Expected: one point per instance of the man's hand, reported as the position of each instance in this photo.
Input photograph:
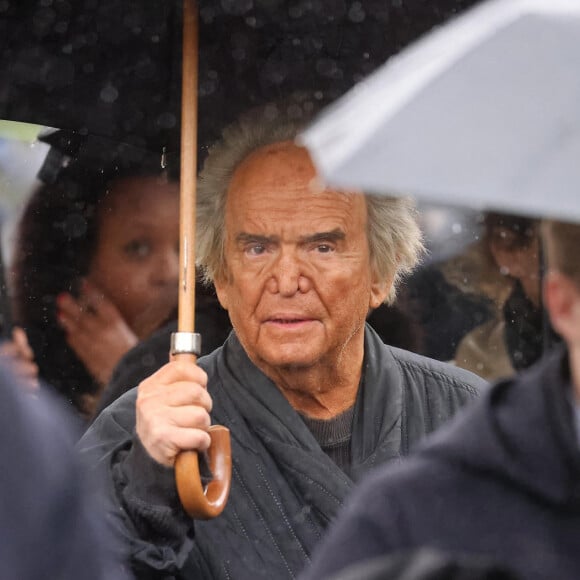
(173, 408)
(95, 330)
(19, 354)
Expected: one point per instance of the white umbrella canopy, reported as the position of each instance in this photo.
(483, 112)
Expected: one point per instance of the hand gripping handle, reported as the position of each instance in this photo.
(199, 501)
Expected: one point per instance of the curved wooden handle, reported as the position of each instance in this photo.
(199, 502)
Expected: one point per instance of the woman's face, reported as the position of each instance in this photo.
(136, 258)
(518, 256)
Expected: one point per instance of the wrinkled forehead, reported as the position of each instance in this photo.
(280, 180)
(275, 164)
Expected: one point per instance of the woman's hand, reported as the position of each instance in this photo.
(19, 355)
(95, 330)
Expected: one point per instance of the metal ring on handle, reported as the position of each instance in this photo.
(185, 343)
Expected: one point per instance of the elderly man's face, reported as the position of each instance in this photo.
(298, 284)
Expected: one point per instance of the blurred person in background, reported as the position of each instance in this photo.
(96, 266)
(50, 523)
(513, 338)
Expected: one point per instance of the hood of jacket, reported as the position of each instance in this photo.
(522, 432)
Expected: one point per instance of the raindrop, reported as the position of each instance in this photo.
(294, 112)
(296, 42)
(166, 120)
(155, 39)
(271, 112)
(88, 67)
(75, 226)
(109, 94)
(239, 54)
(92, 38)
(4, 5)
(237, 7)
(319, 95)
(146, 70)
(61, 27)
(67, 49)
(46, 3)
(356, 12)
(251, 21)
(43, 20)
(207, 87)
(327, 67)
(275, 72)
(456, 228)
(295, 11)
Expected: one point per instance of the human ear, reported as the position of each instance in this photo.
(379, 292)
(221, 290)
(562, 300)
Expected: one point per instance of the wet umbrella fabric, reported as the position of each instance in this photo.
(482, 112)
(113, 67)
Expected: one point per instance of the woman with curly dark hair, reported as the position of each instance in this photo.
(96, 267)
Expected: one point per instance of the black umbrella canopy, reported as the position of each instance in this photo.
(113, 67)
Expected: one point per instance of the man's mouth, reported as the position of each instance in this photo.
(288, 321)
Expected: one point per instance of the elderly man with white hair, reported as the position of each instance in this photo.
(312, 396)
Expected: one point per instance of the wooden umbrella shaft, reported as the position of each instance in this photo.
(188, 192)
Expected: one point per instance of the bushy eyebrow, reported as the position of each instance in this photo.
(245, 238)
(335, 235)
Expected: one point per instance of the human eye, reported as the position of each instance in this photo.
(325, 248)
(137, 249)
(255, 249)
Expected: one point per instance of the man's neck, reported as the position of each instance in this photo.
(321, 391)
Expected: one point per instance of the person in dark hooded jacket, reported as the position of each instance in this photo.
(503, 479)
(50, 526)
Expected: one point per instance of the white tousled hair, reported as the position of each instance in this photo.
(394, 237)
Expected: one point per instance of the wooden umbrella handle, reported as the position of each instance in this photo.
(198, 501)
(203, 502)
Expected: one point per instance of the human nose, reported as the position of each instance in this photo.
(167, 268)
(288, 274)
